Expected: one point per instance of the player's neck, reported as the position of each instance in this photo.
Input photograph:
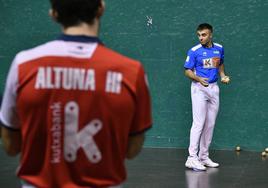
(209, 44)
(83, 29)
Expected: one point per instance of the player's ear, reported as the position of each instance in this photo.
(211, 35)
(101, 9)
(53, 14)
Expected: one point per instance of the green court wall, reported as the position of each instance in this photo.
(159, 34)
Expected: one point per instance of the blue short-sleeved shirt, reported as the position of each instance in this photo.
(205, 61)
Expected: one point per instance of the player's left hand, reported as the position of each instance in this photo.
(225, 79)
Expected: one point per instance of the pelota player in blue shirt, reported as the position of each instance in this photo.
(203, 64)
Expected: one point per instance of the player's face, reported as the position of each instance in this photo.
(205, 37)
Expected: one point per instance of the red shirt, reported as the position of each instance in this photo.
(76, 103)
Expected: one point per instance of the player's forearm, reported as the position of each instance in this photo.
(135, 144)
(11, 141)
(190, 74)
(222, 71)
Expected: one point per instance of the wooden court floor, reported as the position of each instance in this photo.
(164, 168)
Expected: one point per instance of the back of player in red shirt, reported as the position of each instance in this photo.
(76, 104)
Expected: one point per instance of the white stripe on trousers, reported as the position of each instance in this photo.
(205, 106)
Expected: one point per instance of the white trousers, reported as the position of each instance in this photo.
(205, 106)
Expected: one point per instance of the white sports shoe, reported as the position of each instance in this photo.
(195, 164)
(209, 163)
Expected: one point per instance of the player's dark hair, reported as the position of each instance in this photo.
(74, 12)
(205, 26)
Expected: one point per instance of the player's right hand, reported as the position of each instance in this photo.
(225, 79)
(203, 81)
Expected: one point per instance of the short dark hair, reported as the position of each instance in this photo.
(74, 12)
(205, 26)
